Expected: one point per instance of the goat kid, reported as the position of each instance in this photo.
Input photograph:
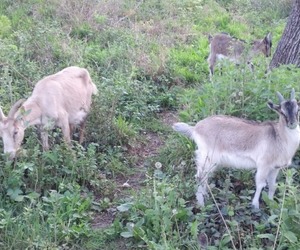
(62, 99)
(223, 46)
(233, 142)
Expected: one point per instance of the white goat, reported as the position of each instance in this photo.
(223, 45)
(62, 99)
(233, 142)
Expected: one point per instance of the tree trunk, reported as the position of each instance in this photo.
(288, 49)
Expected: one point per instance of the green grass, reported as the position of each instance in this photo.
(146, 58)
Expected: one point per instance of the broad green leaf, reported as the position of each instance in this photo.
(33, 195)
(127, 234)
(18, 198)
(14, 194)
(124, 207)
(290, 236)
(266, 236)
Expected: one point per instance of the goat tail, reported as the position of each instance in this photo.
(183, 128)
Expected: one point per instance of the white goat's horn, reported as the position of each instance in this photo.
(15, 108)
(2, 116)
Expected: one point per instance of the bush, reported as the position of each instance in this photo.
(160, 217)
(146, 57)
(5, 26)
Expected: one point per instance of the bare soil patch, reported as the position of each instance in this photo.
(148, 146)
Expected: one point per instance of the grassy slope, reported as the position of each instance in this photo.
(146, 57)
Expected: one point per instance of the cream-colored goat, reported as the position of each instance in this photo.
(62, 99)
(238, 143)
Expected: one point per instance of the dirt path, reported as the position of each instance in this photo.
(148, 147)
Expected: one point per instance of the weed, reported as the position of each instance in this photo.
(145, 57)
(161, 218)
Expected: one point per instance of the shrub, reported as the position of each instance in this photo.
(160, 217)
(5, 26)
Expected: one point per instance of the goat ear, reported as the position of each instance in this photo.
(268, 37)
(273, 106)
(210, 37)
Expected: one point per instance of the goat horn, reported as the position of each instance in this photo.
(280, 97)
(2, 116)
(15, 108)
(293, 94)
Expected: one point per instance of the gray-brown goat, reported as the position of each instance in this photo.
(223, 45)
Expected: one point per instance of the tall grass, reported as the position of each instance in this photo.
(146, 57)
